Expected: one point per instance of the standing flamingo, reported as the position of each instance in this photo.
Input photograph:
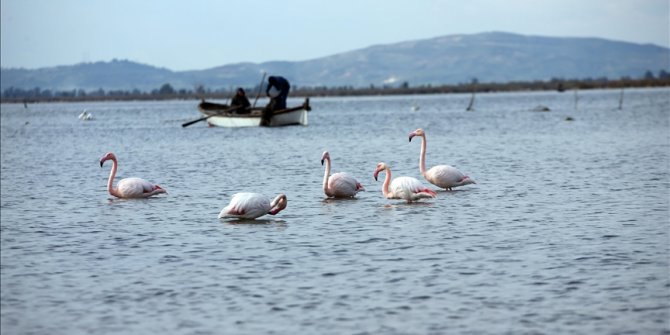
(129, 187)
(444, 176)
(339, 185)
(252, 205)
(407, 188)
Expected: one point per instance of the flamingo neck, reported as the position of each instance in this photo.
(112, 174)
(422, 157)
(326, 175)
(387, 181)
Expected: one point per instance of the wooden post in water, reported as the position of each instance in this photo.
(621, 99)
(472, 102)
(472, 98)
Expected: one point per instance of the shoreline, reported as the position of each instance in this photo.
(301, 92)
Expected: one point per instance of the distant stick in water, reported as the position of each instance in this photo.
(576, 99)
(621, 99)
(472, 98)
(472, 102)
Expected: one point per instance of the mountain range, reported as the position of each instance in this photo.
(451, 59)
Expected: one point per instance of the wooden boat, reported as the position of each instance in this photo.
(219, 115)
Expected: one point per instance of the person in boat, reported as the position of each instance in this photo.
(240, 99)
(277, 89)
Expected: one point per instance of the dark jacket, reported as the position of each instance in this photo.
(283, 86)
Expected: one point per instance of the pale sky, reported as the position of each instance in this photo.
(201, 34)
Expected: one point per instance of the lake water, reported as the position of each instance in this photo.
(566, 231)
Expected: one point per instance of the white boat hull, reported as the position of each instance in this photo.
(298, 117)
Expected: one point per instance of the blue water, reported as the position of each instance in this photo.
(566, 231)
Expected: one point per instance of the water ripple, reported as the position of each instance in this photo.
(564, 232)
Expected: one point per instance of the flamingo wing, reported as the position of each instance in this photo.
(446, 176)
(246, 206)
(135, 188)
(410, 189)
(343, 185)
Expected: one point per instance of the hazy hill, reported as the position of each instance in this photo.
(489, 57)
(89, 76)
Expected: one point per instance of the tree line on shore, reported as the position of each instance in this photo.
(167, 92)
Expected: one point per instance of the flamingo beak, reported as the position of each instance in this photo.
(412, 134)
(322, 162)
(376, 173)
(104, 159)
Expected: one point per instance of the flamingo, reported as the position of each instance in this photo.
(129, 187)
(252, 205)
(443, 176)
(407, 188)
(339, 185)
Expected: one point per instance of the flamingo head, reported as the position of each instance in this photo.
(467, 180)
(159, 189)
(325, 156)
(107, 157)
(380, 167)
(418, 132)
(278, 204)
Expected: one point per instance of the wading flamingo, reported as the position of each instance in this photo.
(407, 188)
(444, 176)
(339, 185)
(129, 187)
(252, 205)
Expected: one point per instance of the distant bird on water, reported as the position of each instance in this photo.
(85, 116)
(339, 185)
(444, 176)
(129, 187)
(407, 188)
(253, 205)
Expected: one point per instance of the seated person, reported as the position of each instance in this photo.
(240, 99)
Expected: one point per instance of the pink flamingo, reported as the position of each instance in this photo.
(129, 187)
(407, 188)
(252, 205)
(339, 185)
(444, 176)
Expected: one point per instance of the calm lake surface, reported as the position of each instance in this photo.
(566, 231)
